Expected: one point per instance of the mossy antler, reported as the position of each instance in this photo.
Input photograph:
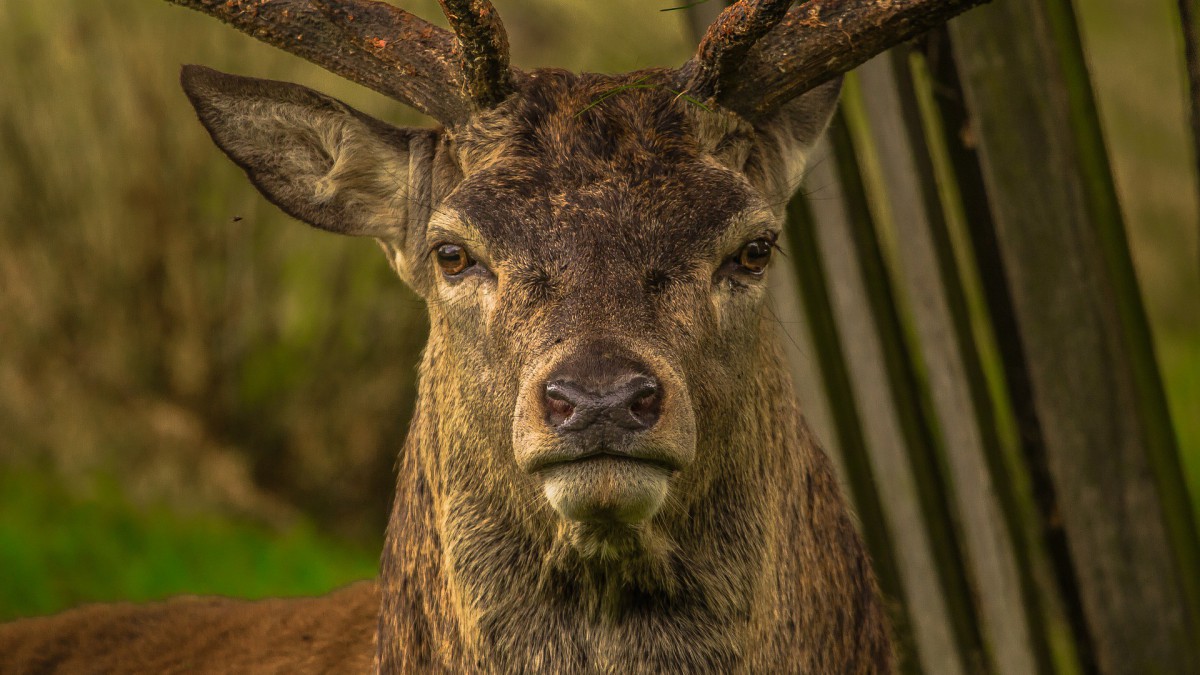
(446, 76)
(757, 55)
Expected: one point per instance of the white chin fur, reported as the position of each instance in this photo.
(606, 490)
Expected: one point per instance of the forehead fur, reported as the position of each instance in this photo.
(574, 150)
(589, 120)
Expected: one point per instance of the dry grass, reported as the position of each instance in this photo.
(148, 335)
(159, 321)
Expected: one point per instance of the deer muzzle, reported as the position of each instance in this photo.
(605, 431)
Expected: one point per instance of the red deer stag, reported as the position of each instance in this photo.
(607, 471)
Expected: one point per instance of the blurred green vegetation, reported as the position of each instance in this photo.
(97, 546)
(1135, 49)
(240, 383)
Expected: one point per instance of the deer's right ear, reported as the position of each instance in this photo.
(315, 157)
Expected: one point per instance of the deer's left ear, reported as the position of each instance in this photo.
(784, 142)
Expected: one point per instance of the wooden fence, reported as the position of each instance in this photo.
(968, 339)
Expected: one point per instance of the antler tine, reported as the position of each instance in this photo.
(372, 43)
(727, 42)
(483, 48)
(821, 39)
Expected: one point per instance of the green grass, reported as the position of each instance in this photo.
(58, 550)
(1179, 359)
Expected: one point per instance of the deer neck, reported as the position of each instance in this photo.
(473, 582)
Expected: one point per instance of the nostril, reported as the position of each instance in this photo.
(559, 406)
(633, 405)
(646, 403)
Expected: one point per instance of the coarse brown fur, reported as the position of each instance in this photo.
(604, 216)
(329, 634)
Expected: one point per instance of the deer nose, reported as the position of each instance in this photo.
(627, 405)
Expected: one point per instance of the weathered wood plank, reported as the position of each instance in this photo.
(860, 175)
(930, 278)
(1023, 465)
(1110, 450)
(934, 625)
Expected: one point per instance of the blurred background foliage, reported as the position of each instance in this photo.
(199, 395)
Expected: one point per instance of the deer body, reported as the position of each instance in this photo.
(330, 634)
(606, 471)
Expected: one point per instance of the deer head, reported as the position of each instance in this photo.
(606, 449)
(592, 248)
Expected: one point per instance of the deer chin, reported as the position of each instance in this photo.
(607, 490)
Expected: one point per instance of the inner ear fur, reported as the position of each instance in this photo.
(777, 159)
(315, 157)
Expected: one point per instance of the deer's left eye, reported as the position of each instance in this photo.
(755, 256)
(453, 259)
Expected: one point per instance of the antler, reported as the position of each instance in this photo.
(754, 58)
(371, 43)
(483, 48)
(727, 42)
(757, 56)
(386, 48)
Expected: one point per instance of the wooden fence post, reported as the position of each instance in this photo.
(926, 270)
(1109, 447)
(939, 622)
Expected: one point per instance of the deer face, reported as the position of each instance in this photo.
(593, 251)
(601, 271)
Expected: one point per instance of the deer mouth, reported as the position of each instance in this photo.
(559, 458)
(604, 486)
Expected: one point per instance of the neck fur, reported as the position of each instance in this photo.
(761, 573)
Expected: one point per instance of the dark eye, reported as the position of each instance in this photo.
(452, 259)
(755, 255)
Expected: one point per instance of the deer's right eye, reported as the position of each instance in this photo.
(453, 259)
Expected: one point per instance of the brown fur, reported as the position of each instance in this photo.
(598, 229)
(330, 634)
